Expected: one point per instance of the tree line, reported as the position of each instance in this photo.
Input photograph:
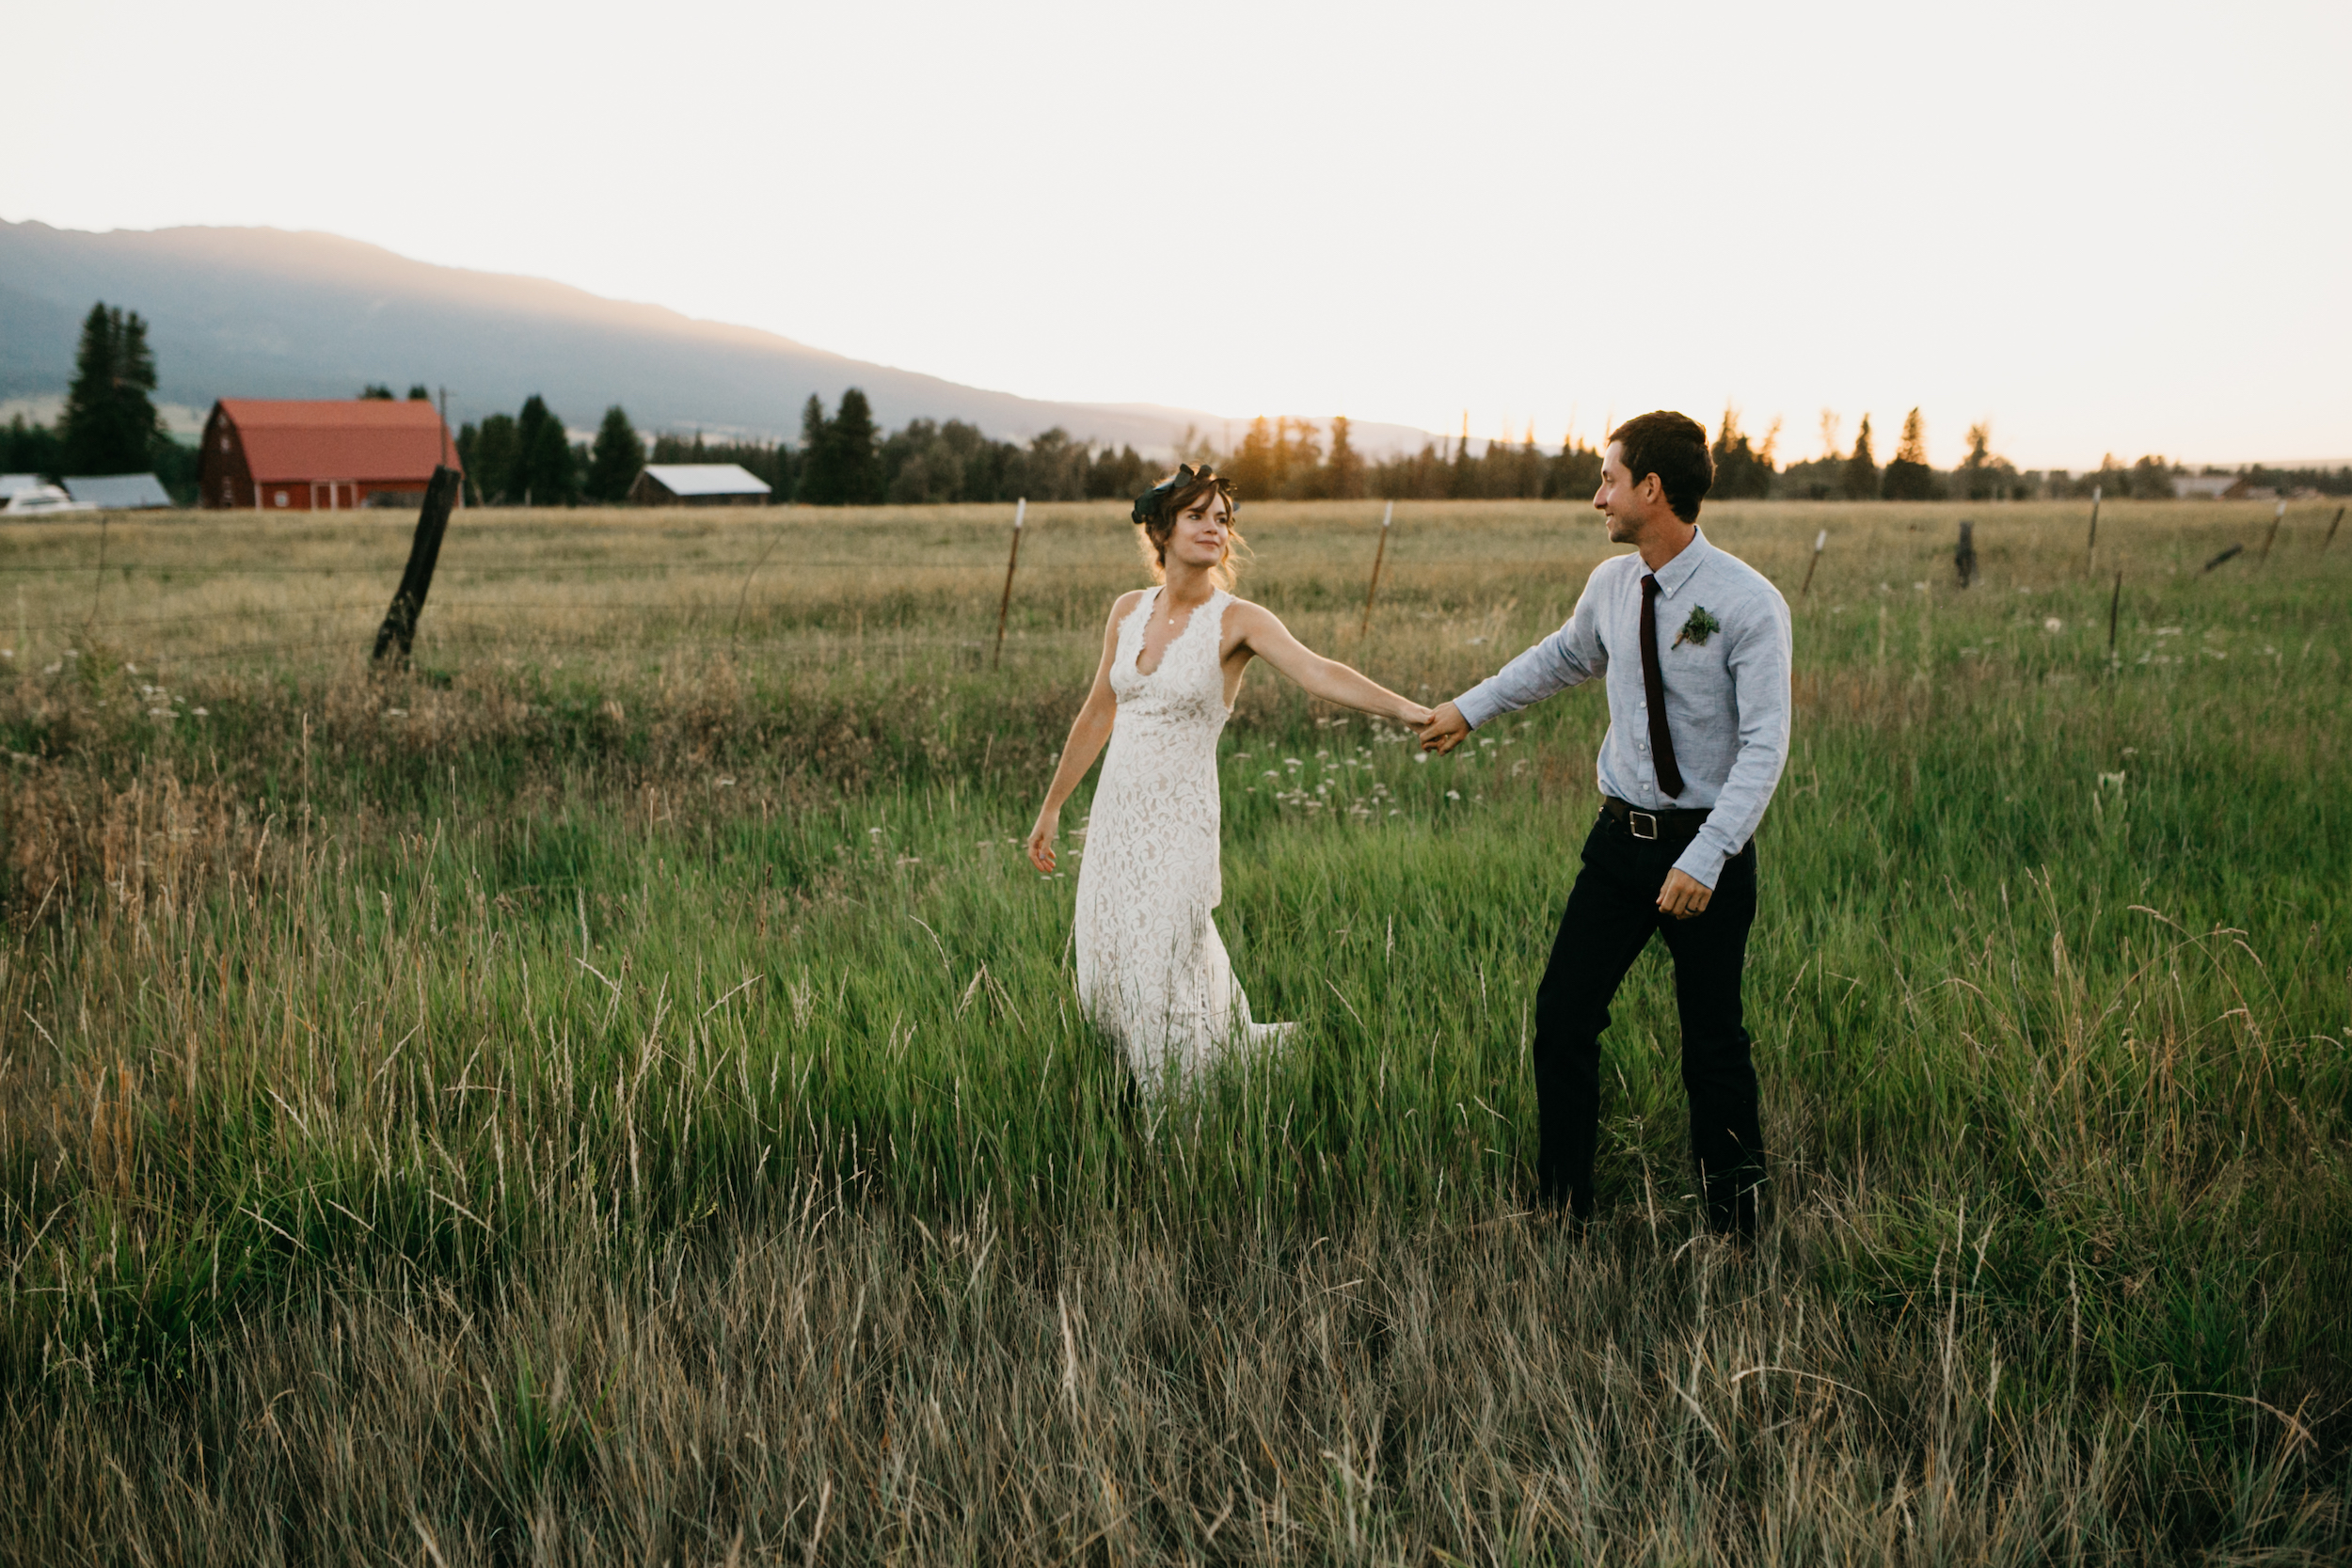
(843, 458)
(109, 425)
(1982, 474)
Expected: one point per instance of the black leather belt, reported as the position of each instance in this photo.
(1654, 824)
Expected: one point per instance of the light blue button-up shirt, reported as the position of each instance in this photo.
(1727, 697)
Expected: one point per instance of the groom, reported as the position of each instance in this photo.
(1693, 645)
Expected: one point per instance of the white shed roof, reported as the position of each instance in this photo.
(706, 479)
(121, 492)
(11, 484)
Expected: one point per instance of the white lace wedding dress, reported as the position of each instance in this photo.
(1152, 969)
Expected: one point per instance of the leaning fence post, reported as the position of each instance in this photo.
(2331, 529)
(1377, 556)
(1818, 540)
(1020, 513)
(2277, 515)
(399, 631)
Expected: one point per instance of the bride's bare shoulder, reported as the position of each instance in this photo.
(1124, 606)
(1244, 614)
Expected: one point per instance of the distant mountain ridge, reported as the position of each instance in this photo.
(263, 312)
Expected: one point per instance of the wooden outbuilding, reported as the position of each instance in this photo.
(280, 455)
(698, 484)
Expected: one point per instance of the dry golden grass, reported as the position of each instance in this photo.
(808, 584)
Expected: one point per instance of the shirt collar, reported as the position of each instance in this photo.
(1676, 572)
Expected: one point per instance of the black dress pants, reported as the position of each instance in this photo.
(1612, 912)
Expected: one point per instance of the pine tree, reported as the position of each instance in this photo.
(1464, 485)
(2151, 479)
(1527, 466)
(820, 483)
(1347, 481)
(855, 444)
(1575, 474)
(418, 393)
(1862, 470)
(491, 462)
(84, 418)
(616, 459)
(376, 392)
(544, 473)
(1252, 470)
(1908, 476)
(109, 424)
(1743, 471)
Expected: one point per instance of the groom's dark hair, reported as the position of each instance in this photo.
(1672, 447)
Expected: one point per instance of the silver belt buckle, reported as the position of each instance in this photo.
(1633, 819)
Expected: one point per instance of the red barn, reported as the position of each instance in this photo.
(283, 455)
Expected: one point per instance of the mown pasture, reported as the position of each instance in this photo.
(613, 1092)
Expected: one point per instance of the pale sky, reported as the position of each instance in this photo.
(2105, 228)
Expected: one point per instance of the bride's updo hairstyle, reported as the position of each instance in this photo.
(1157, 509)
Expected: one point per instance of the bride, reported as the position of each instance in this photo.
(1152, 969)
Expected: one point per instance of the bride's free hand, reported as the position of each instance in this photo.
(1088, 734)
(1042, 842)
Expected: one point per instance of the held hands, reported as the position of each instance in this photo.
(1444, 729)
(1683, 896)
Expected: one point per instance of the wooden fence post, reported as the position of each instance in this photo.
(2277, 515)
(2332, 524)
(2114, 603)
(1020, 514)
(2091, 550)
(1377, 556)
(1964, 554)
(1819, 540)
(399, 631)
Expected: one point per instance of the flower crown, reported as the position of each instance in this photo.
(1151, 506)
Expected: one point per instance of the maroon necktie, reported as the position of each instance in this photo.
(1661, 740)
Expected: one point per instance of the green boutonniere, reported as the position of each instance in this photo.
(1698, 628)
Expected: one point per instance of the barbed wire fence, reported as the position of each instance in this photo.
(460, 616)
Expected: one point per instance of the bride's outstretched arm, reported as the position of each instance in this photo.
(1088, 734)
(1263, 634)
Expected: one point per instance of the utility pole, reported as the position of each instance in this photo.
(444, 403)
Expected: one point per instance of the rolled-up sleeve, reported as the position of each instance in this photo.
(1757, 663)
(1568, 657)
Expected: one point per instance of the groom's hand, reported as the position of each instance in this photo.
(1445, 730)
(1683, 896)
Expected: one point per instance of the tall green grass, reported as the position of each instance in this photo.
(620, 1085)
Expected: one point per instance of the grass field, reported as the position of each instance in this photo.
(613, 1094)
